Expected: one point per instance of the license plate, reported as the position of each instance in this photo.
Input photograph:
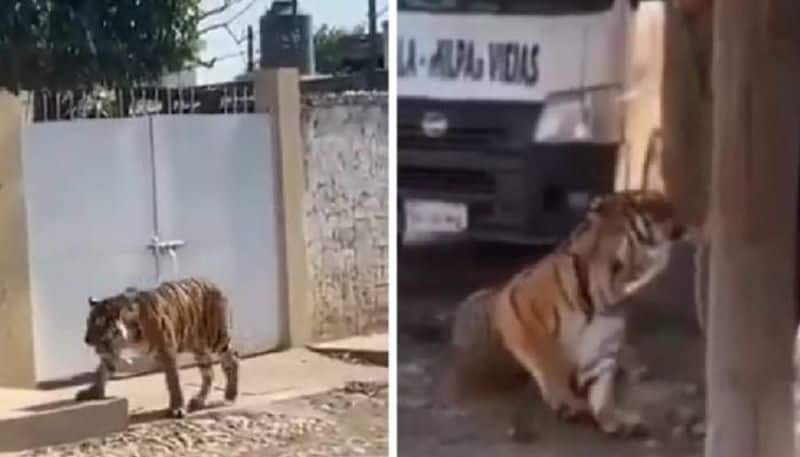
(579, 201)
(423, 216)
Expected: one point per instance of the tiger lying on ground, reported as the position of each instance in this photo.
(558, 321)
(188, 315)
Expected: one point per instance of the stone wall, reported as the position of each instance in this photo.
(346, 212)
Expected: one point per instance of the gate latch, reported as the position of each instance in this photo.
(162, 247)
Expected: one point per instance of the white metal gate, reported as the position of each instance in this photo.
(101, 194)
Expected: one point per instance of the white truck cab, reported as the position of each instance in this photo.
(509, 113)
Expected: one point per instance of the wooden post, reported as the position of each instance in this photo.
(686, 111)
(756, 112)
(277, 92)
(18, 367)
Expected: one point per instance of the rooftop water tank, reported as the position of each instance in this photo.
(287, 40)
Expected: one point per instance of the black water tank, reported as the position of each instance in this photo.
(278, 27)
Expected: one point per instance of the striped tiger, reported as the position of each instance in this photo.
(559, 321)
(187, 315)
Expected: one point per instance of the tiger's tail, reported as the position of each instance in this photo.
(476, 365)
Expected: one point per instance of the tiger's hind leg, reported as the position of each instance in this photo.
(204, 364)
(551, 372)
(170, 364)
(229, 360)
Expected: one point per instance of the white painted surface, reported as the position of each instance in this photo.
(217, 191)
(88, 188)
(91, 214)
(574, 51)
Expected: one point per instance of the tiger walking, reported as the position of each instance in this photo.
(559, 320)
(187, 315)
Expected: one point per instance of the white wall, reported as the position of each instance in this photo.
(97, 191)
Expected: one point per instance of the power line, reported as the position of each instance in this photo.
(225, 23)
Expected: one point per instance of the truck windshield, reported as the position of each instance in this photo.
(507, 6)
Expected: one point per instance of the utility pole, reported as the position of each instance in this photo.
(756, 143)
(250, 65)
(373, 46)
(296, 35)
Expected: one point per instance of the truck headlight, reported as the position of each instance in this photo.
(586, 116)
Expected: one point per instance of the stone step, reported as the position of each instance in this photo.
(31, 419)
(371, 348)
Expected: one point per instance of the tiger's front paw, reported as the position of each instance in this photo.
(566, 404)
(91, 393)
(623, 424)
(176, 413)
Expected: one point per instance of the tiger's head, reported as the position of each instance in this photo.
(108, 326)
(633, 235)
(645, 214)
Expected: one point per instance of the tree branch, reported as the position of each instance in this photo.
(226, 22)
(198, 62)
(211, 28)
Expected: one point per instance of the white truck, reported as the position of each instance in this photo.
(510, 116)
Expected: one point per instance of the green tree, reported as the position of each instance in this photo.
(81, 43)
(329, 50)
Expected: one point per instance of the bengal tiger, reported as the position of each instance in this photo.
(559, 321)
(187, 315)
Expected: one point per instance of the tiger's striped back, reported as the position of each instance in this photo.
(188, 315)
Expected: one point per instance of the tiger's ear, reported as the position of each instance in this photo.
(93, 301)
(131, 307)
(130, 293)
(596, 206)
(597, 203)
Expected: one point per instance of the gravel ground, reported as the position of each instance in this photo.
(347, 422)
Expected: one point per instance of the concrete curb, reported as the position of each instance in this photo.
(61, 422)
(371, 349)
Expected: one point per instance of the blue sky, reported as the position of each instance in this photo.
(342, 13)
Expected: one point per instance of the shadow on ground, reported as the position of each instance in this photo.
(434, 278)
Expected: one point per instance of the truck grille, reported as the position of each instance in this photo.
(445, 180)
(411, 136)
(472, 125)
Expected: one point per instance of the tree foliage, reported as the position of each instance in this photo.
(329, 49)
(68, 44)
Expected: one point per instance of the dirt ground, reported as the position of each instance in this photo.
(433, 279)
(345, 422)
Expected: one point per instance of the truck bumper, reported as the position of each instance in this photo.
(532, 196)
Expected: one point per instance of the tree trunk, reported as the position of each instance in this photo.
(756, 112)
(686, 111)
